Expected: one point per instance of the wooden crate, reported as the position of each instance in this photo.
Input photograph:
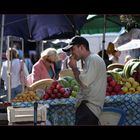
(16, 115)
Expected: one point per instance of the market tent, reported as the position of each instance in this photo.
(96, 24)
(126, 37)
(40, 27)
(133, 44)
(16, 25)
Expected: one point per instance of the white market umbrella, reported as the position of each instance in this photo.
(133, 44)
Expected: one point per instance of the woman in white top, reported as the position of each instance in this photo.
(16, 86)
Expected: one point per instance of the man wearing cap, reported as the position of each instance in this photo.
(92, 81)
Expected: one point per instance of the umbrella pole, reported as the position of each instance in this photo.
(9, 70)
(103, 42)
(1, 43)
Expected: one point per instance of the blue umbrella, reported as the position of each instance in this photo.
(40, 27)
(54, 26)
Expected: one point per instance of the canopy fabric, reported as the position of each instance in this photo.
(96, 24)
(133, 44)
(16, 25)
(40, 27)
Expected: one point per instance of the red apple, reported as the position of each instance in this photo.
(62, 90)
(58, 86)
(66, 94)
(112, 83)
(55, 83)
(121, 92)
(53, 96)
(113, 93)
(109, 78)
(117, 88)
(109, 89)
(107, 94)
(55, 91)
(49, 91)
(59, 95)
(52, 87)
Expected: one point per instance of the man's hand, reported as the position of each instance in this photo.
(72, 62)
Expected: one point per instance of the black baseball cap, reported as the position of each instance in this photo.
(77, 40)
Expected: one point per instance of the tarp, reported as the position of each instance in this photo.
(133, 44)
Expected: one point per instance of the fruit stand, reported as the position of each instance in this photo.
(58, 95)
(129, 103)
(59, 112)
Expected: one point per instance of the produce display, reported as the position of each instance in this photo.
(27, 96)
(65, 87)
(125, 80)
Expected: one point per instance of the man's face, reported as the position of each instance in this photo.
(76, 52)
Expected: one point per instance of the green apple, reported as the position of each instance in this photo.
(125, 89)
(74, 93)
(76, 88)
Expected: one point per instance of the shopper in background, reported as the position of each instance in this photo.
(92, 81)
(15, 69)
(106, 57)
(44, 67)
(61, 64)
(115, 54)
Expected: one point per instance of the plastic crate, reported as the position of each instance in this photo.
(24, 115)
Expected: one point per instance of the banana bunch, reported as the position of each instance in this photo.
(130, 66)
(116, 76)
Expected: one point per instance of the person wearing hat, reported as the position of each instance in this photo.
(92, 80)
(44, 67)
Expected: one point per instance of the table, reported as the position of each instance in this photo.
(129, 103)
(60, 111)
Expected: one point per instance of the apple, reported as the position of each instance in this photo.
(109, 78)
(121, 92)
(66, 94)
(125, 89)
(74, 93)
(49, 91)
(107, 94)
(53, 96)
(58, 86)
(52, 87)
(117, 88)
(109, 89)
(62, 90)
(55, 91)
(58, 95)
(112, 83)
(46, 96)
(113, 93)
(76, 88)
(54, 83)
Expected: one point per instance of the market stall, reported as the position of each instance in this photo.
(129, 103)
